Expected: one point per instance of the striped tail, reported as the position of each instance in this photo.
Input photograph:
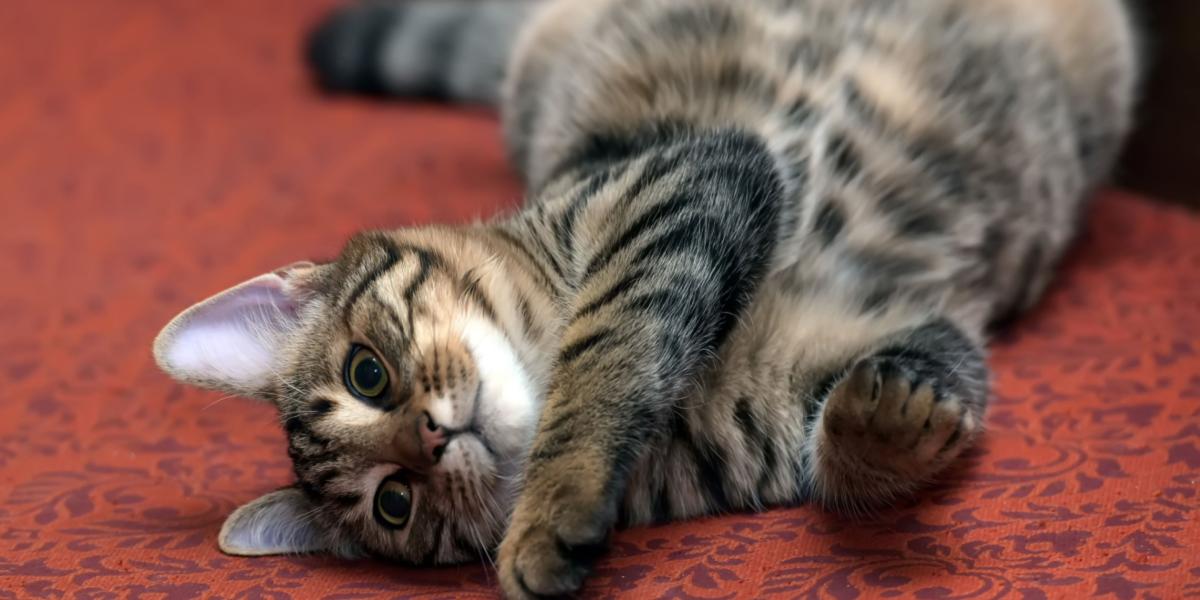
(454, 50)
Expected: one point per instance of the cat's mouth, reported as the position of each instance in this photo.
(473, 427)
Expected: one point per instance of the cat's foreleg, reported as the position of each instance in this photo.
(663, 280)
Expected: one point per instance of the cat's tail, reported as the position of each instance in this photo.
(453, 50)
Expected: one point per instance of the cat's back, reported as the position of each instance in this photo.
(616, 65)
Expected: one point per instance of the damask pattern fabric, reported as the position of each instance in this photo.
(154, 152)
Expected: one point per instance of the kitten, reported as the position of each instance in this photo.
(763, 245)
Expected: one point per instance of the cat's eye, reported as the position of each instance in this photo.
(365, 375)
(393, 502)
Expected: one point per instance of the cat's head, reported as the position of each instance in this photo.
(408, 383)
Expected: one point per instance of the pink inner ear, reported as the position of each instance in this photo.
(232, 338)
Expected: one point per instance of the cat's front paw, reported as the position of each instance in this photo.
(886, 427)
(557, 530)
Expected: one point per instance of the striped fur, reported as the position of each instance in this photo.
(763, 245)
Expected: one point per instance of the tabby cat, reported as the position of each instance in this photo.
(764, 242)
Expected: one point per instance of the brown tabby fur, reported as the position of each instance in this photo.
(764, 242)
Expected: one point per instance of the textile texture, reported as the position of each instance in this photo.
(152, 153)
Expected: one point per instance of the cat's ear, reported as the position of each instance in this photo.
(231, 341)
(278, 523)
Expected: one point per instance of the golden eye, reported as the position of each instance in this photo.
(393, 502)
(365, 375)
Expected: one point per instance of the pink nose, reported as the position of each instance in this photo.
(433, 439)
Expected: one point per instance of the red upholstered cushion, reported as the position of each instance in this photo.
(154, 152)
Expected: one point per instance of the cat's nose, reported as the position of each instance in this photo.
(433, 438)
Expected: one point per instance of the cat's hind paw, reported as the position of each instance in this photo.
(897, 418)
(886, 409)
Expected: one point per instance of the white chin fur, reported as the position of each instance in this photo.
(509, 403)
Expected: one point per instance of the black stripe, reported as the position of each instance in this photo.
(737, 288)
(292, 425)
(576, 349)
(310, 491)
(878, 297)
(325, 477)
(770, 464)
(392, 315)
(846, 161)
(812, 54)
(556, 434)
(918, 223)
(878, 264)
(527, 321)
(551, 258)
(473, 292)
(426, 262)
(307, 459)
(657, 167)
(662, 502)
(436, 371)
(548, 449)
(532, 260)
(392, 257)
(564, 228)
(829, 222)
(665, 304)
(682, 238)
(858, 105)
(644, 421)
(560, 416)
(909, 217)
(743, 416)
(945, 165)
(321, 406)
(653, 216)
(756, 437)
(741, 79)
(604, 149)
(709, 465)
(799, 111)
(616, 291)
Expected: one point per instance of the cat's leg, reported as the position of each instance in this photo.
(667, 258)
(454, 50)
(897, 417)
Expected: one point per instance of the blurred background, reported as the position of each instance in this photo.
(1163, 158)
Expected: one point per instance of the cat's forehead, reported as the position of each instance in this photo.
(395, 265)
(378, 292)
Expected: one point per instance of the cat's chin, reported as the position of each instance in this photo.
(508, 403)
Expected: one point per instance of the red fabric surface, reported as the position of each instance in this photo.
(154, 152)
